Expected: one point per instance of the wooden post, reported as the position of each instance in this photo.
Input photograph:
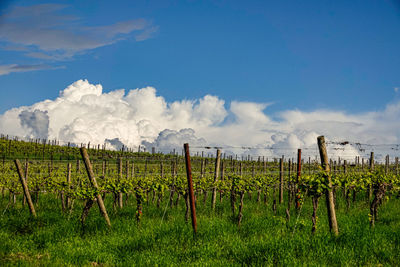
(173, 173)
(119, 194)
(330, 205)
(371, 162)
(216, 174)
(26, 177)
(222, 177)
(281, 180)
(190, 187)
(162, 170)
(290, 185)
(78, 166)
(371, 168)
(347, 190)
(202, 168)
(222, 170)
(264, 166)
(127, 175)
(103, 168)
(386, 164)
(93, 182)
(298, 178)
(25, 187)
(69, 167)
(44, 147)
(145, 169)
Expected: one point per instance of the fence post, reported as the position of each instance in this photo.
(371, 161)
(93, 181)
(329, 194)
(69, 167)
(371, 169)
(119, 194)
(26, 178)
(298, 178)
(25, 187)
(281, 180)
(190, 187)
(217, 164)
(386, 164)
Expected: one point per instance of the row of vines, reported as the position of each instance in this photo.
(156, 179)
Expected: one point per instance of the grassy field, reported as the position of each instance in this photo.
(263, 239)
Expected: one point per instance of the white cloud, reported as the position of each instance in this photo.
(52, 35)
(35, 121)
(10, 68)
(167, 140)
(147, 33)
(84, 113)
(45, 32)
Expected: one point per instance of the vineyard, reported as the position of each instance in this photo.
(70, 205)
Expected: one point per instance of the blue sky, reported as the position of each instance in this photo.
(341, 55)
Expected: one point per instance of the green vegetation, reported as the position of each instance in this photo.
(49, 149)
(150, 222)
(56, 239)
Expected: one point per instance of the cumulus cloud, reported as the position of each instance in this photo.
(167, 140)
(84, 113)
(36, 122)
(115, 144)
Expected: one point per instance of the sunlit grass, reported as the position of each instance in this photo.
(54, 238)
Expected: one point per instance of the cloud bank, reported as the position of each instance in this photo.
(84, 113)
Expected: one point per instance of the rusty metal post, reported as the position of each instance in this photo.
(190, 187)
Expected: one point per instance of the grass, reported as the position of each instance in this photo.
(263, 239)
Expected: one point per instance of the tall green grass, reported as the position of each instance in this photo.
(59, 239)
